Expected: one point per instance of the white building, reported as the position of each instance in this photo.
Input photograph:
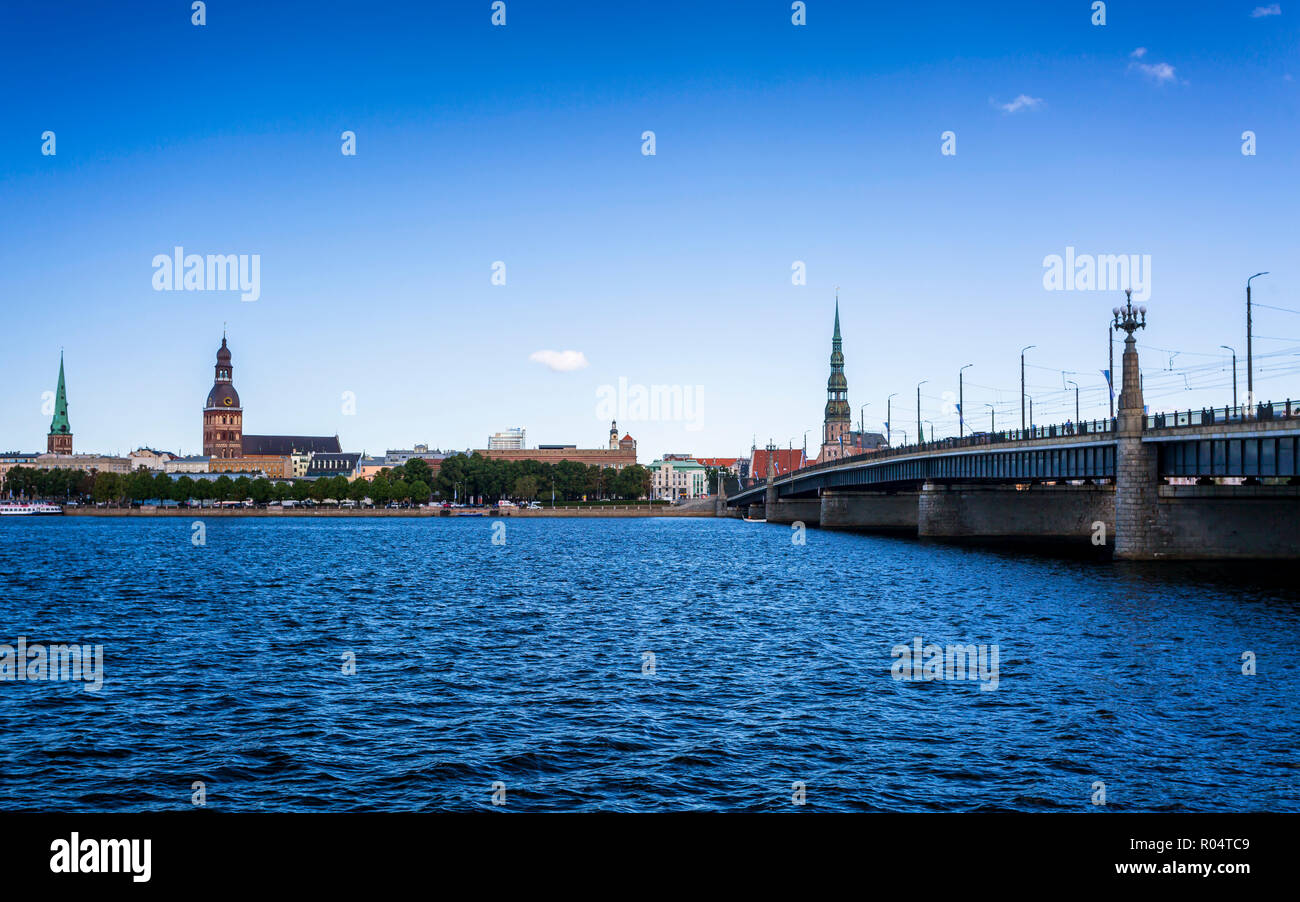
(671, 480)
(186, 465)
(150, 459)
(510, 440)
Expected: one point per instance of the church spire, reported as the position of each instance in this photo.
(838, 420)
(59, 440)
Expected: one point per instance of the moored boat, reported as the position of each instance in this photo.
(10, 509)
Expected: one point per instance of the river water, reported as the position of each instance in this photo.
(632, 665)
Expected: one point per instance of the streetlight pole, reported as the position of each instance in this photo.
(889, 416)
(1110, 373)
(931, 422)
(1022, 383)
(993, 425)
(862, 417)
(1250, 369)
(1234, 373)
(920, 433)
(1076, 403)
(961, 402)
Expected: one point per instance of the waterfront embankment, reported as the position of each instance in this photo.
(619, 511)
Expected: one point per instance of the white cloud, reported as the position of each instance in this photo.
(1023, 102)
(1273, 9)
(1139, 53)
(560, 361)
(1159, 72)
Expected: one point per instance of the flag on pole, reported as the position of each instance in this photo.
(1109, 383)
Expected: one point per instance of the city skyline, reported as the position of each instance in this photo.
(792, 147)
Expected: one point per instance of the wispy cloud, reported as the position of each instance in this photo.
(1023, 102)
(1160, 73)
(1273, 9)
(560, 361)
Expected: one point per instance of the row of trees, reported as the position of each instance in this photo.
(461, 476)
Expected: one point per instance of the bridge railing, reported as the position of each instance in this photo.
(974, 440)
(1271, 410)
(1212, 416)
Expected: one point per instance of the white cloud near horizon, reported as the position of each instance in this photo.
(1139, 53)
(1273, 9)
(560, 361)
(1022, 102)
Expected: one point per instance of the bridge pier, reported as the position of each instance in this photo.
(1213, 522)
(790, 510)
(757, 512)
(1049, 514)
(869, 511)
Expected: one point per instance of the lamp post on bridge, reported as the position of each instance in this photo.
(1022, 384)
(993, 426)
(1234, 374)
(1076, 402)
(889, 417)
(961, 402)
(1110, 373)
(1250, 369)
(920, 432)
(931, 422)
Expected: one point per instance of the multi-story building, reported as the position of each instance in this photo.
(512, 439)
(269, 465)
(728, 465)
(620, 453)
(671, 480)
(91, 463)
(189, 465)
(11, 459)
(784, 460)
(331, 464)
(150, 459)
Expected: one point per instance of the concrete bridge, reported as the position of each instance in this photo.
(1146, 486)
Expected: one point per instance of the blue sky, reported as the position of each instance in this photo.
(522, 144)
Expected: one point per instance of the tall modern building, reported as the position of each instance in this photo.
(511, 440)
(838, 424)
(59, 440)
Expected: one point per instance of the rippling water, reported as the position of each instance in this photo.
(523, 663)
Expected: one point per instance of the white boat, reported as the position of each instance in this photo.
(10, 509)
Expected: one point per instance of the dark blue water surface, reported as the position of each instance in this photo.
(522, 663)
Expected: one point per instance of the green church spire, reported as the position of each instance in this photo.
(59, 425)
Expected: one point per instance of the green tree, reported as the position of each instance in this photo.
(420, 491)
(261, 491)
(526, 488)
(223, 488)
(418, 470)
(108, 487)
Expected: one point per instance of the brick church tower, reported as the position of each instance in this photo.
(223, 418)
